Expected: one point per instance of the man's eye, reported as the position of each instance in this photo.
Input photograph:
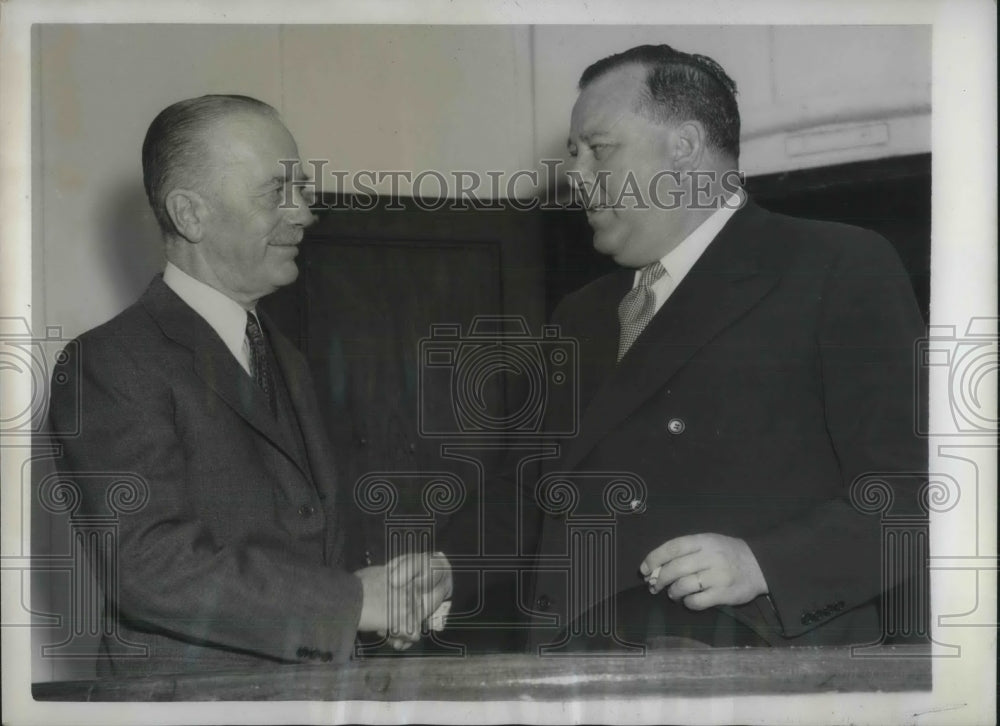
(599, 150)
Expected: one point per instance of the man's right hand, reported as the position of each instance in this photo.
(401, 595)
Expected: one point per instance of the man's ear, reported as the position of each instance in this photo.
(688, 147)
(189, 213)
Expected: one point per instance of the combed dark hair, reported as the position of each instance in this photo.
(173, 152)
(681, 86)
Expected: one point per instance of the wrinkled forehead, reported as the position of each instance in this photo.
(606, 100)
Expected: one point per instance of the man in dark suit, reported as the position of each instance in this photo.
(747, 368)
(237, 559)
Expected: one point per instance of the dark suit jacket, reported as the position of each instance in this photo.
(236, 560)
(778, 372)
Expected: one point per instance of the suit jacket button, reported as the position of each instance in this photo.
(368, 558)
(306, 510)
(543, 603)
(675, 426)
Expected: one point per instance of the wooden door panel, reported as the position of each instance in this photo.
(371, 286)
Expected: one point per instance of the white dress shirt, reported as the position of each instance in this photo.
(226, 316)
(679, 261)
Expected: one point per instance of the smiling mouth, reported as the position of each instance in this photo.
(294, 243)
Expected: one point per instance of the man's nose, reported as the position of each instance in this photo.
(305, 216)
(300, 213)
(580, 173)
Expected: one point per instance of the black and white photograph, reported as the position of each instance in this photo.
(499, 362)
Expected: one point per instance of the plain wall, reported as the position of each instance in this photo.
(789, 79)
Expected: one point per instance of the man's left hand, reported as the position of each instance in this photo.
(704, 570)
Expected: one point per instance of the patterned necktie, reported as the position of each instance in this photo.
(259, 367)
(638, 307)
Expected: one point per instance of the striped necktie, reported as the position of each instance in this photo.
(259, 366)
(638, 307)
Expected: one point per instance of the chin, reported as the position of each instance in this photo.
(288, 274)
(609, 244)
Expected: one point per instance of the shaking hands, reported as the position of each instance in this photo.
(406, 597)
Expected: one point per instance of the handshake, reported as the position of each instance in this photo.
(405, 598)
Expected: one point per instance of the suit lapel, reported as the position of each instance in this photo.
(318, 449)
(302, 397)
(728, 280)
(598, 344)
(214, 363)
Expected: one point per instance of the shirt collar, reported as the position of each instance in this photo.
(679, 261)
(226, 316)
